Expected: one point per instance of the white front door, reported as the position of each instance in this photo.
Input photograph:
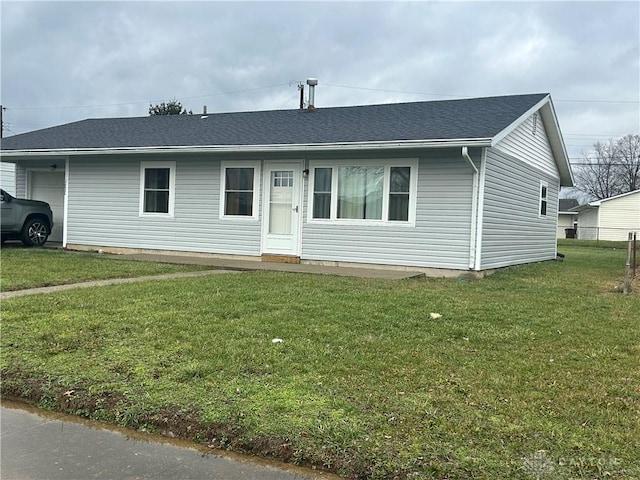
(282, 208)
(49, 187)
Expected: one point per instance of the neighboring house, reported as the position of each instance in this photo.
(567, 219)
(8, 177)
(611, 218)
(457, 184)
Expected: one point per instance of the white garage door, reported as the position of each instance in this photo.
(49, 187)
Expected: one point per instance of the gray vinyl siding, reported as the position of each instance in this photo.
(21, 181)
(439, 239)
(104, 200)
(104, 204)
(529, 143)
(513, 230)
(8, 177)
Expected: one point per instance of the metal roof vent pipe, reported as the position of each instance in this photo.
(312, 82)
(204, 112)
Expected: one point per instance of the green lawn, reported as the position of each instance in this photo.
(562, 242)
(41, 267)
(530, 373)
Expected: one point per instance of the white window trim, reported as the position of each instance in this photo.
(172, 188)
(387, 163)
(545, 185)
(256, 189)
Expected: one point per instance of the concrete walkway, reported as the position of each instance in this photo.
(38, 445)
(218, 266)
(111, 281)
(253, 265)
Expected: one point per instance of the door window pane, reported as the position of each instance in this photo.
(282, 179)
(281, 202)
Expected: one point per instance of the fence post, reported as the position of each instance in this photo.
(627, 271)
(635, 249)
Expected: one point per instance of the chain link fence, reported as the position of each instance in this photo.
(606, 234)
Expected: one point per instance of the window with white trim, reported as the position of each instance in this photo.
(157, 188)
(322, 193)
(239, 190)
(399, 193)
(544, 187)
(369, 192)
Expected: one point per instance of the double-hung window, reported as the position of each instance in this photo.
(322, 193)
(369, 192)
(239, 190)
(544, 187)
(399, 193)
(157, 188)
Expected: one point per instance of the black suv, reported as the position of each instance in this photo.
(29, 220)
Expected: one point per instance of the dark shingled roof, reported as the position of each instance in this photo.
(474, 118)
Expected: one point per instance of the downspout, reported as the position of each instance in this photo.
(474, 209)
(65, 211)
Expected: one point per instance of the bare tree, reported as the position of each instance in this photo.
(629, 158)
(597, 175)
(611, 169)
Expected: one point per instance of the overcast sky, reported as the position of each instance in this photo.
(67, 61)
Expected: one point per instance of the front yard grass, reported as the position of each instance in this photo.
(23, 268)
(530, 373)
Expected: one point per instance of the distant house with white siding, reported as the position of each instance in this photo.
(611, 218)
(464, 185)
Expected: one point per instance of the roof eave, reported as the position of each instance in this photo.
(597, 203)
(582, 208)
(395, 144)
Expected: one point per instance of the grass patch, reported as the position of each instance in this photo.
(571, 242)
(530, 373)
(23, 268)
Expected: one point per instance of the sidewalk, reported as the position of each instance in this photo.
(37, 444)
(219, 266)
(249, 265)
(111, 281)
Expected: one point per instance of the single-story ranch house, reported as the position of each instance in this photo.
(464, 185)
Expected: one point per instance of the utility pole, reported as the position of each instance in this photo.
(1, 122)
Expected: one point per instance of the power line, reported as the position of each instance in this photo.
(148, 102)
(464, 96)
(232, 92)
(393, 91)
(599, 164)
